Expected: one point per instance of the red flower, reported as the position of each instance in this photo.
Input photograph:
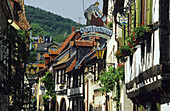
(131, 45)
(116, 52)
(136, 42)
(133, 37)
(119, 52)
(120, 45)
(142, 23)
(122, 54)
(128, 44)
(134, 33)
(138, 25)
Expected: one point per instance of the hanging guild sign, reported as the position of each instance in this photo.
(89, 76)
(123, 20)
(100, 29)
(32, 70)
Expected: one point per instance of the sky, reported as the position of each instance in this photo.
(72, 9)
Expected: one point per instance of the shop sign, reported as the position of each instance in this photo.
(89, 76)
(32, 70)
(123, 20)
(96, 29)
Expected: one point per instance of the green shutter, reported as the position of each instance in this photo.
(149, 12)
(133, 15)
(139, 12)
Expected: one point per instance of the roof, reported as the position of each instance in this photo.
(66, 42)
(72, 65)
(41, 65)
(85, 43)
(46, 55)
(54, 53)
(96, 37)
(63, 60)
(42, 46)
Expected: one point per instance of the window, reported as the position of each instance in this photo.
(79, 80)
(71, 82)
(75, 78)
(41, 56)
(54, 48)
(59, 76)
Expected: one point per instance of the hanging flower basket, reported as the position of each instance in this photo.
(123, 52)
(138, 35)
(146, 36)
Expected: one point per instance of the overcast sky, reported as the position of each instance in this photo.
(72, 9)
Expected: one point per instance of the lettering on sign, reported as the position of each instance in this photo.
(96, 29)
(96, 34)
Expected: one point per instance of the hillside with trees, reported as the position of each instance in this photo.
(50, 24)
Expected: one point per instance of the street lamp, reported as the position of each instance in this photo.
(100, 54)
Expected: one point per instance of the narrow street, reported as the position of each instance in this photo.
(107, 55)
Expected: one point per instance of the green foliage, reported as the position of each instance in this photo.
(47, 23)
(123, 51)
(109, 78)
(134, 39)
(136, 34)
(50, 86)
(110, 25)
(37, 30)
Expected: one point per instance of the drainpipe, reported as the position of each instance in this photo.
(87, 94)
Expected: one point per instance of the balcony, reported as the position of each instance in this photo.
(145, 73)
(75, 92)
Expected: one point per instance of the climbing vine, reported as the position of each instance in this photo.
(50, 86)
(110, 79)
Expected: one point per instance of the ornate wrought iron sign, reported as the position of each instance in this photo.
(96, 29)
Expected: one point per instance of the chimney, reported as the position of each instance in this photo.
(73, 29)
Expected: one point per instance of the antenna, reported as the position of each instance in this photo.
(83, 5)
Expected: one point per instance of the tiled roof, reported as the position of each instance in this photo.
(93, 56)
(72, 65)
(71, 43)
(63, 60)
(43, 46)
(84, 43)
(46, 55)
(54, 53)
(41, 65)
(96, 37)
(66, 42)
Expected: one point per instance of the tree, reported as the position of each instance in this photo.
(37, 30)
(50, 86)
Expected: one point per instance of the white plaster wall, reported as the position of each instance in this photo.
(155, 11)
(125, 102)
(110, 9)
(140, 64)
(165, 107)
(58, 99)
(156, 48)
(151, 58)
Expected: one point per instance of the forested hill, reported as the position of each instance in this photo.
(50, 24)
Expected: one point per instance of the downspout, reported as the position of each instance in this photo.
(87, 94)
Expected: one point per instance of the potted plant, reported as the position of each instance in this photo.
(138, 34)
(123, 51)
